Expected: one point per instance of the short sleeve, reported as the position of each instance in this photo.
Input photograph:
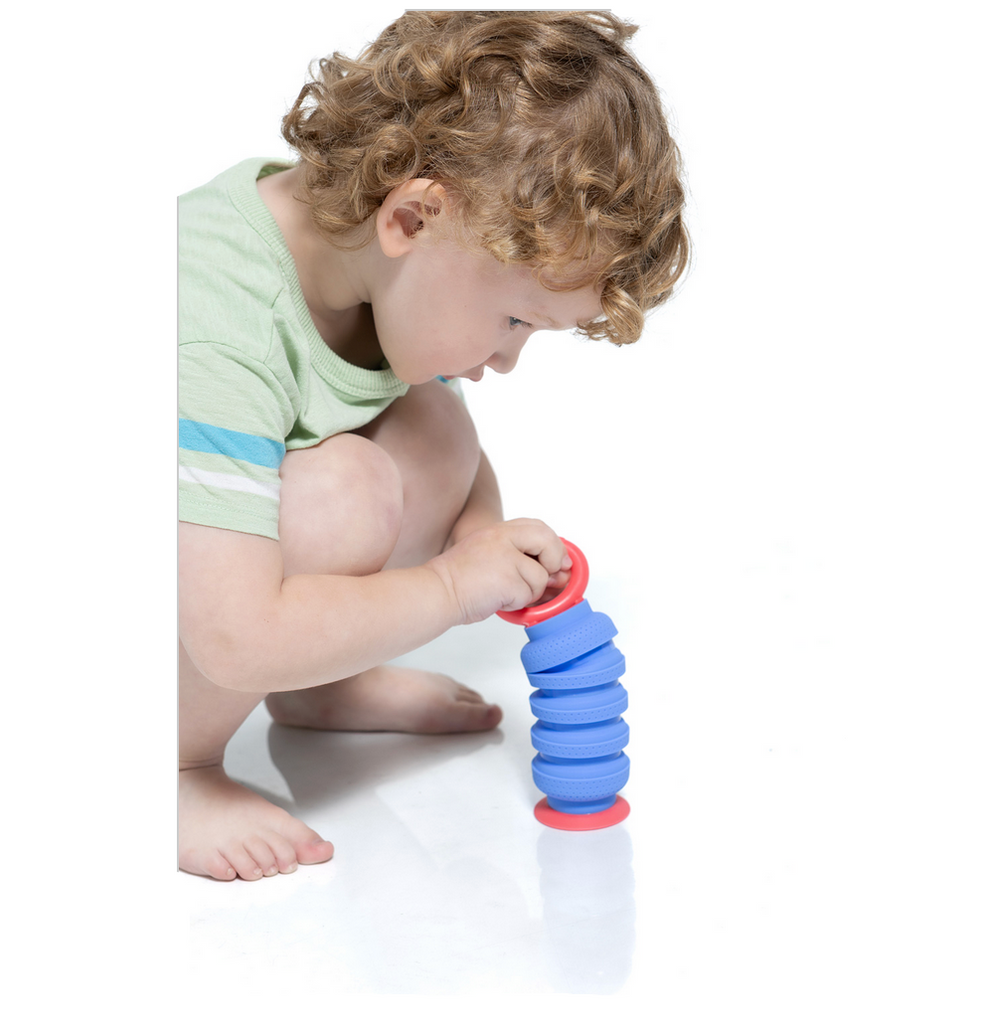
(233, 420)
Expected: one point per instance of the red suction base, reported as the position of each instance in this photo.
(547, 815)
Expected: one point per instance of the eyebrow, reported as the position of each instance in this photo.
(547, 323)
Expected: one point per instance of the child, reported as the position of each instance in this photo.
(473, 177)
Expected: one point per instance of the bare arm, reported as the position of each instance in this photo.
(483, 507)
(248, 628)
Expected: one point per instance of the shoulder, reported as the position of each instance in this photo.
(231, 269)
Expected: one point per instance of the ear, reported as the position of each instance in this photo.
(406, 212)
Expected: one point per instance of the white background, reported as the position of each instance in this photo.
(784, 486)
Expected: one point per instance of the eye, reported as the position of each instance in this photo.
(514, 322)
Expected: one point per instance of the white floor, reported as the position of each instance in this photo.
(442, 880)
(808, 836)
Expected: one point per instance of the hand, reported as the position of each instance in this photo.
(503, 567)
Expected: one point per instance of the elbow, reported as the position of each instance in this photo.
(229, 661)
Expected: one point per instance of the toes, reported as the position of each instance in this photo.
(471, 716)
(297, 845)
(314, 850)
(227, 832)
(268, 855)
(479, 715)
(262, 854)
(244, 864)
(219, 867)
(286, 860)
(491, 716)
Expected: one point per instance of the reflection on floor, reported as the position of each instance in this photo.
(442, 880)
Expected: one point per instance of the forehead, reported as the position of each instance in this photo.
(561, 303)
(530, 292)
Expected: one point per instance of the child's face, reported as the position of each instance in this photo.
(445, 311)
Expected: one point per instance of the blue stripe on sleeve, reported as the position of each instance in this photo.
(202, 437)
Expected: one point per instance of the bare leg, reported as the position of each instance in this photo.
(225, 830)
(351, 505)
(430, 439)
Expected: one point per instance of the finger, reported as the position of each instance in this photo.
(536, 578)
(538, 540)
(549, 594)
(559, 580)
(554, 557)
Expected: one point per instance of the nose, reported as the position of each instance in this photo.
(504, 360)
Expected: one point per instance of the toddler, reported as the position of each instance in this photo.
(471, 178)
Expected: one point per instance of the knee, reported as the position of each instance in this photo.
(341, 507)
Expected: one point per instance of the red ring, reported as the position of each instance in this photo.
(613, 815)
(568, 598)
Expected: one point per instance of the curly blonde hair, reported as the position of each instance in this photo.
(541, 124)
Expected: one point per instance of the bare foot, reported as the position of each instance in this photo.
(226, 831)
(386, 699)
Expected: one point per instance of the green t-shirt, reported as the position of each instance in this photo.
(255, 377)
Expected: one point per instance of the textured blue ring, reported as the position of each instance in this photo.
(599, 705)
(604, 665)
(578, 700)
(582, 635)
(580, 741)
(589, 780)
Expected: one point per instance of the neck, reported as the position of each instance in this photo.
(332, 279)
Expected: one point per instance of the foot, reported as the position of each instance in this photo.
(386, 699)
(226, 831)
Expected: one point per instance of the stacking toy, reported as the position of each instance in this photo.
(579, 734)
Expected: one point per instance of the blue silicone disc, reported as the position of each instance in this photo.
(564, 707)
(566, 637)
(603, 665)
